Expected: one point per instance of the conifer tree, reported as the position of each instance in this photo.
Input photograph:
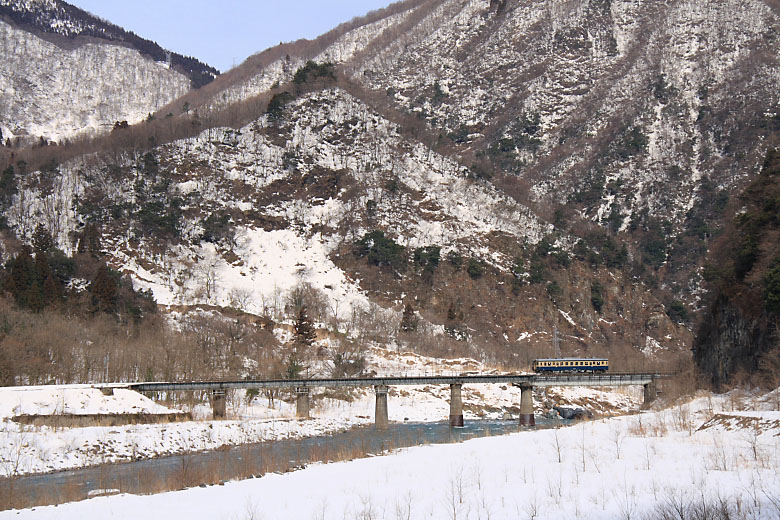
(52, 290)
(304, 330)
(304, 339)
(104, 290)
(42, 240)
(409, 319)
(89, 240)
(21, 277)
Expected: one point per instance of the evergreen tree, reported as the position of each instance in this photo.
(104, 290)
(34, 299)
(42, 240)
(304, 330)
(89, 240)
(293, 367)
(8, 187)
(52, 290)
(409, 319)
(21, 276)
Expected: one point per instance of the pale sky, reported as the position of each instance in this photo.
(224, 33)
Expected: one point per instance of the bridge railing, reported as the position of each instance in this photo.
(575, 379)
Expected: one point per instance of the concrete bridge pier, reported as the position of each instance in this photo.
(302, 410)
(218, 404)
(650, 393)
(380, 412)
(456, 405)
(527, 406)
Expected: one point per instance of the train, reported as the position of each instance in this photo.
(570, 365)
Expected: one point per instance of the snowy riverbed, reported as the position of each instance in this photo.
(624, 467)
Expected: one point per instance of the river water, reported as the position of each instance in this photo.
(247, 461)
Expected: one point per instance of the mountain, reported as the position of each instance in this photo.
(65, 72)
(464, 176)
(739, 340)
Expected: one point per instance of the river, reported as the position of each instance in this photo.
(246, 461)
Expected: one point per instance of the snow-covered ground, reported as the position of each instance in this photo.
(624, 467)
(73, 400)
(37, 449)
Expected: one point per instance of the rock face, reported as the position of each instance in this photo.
(733, 345)
(641, 116)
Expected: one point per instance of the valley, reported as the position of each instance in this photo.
(439, 188)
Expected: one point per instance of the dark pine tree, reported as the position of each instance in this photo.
(89, 241)
(304, 330)
(21, 276)
(304, 339)
(104, 290)
(52, 290)
(409, 319)
(42, 240)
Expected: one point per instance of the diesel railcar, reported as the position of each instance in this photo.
(571, 365)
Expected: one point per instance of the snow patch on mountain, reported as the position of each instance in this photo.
(58, 92)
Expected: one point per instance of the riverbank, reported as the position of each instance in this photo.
(30, 449)
(623, 467)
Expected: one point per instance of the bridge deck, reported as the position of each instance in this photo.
(540, 380)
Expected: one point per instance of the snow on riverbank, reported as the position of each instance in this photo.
(622, 467)
(38, 449)
(29, 449)
(73, 400)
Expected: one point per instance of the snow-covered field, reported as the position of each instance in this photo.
(624, 467)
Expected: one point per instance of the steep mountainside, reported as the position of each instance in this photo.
(460, 175)
(65, 72)
(739, 339)
(330, 194)
(641, 116)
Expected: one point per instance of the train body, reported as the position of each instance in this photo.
(571, 365)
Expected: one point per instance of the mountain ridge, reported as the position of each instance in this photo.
(395, 154)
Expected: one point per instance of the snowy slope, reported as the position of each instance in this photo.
(243, 170)
(72, 399)
(61, 90)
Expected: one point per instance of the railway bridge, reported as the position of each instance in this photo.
(302, 388)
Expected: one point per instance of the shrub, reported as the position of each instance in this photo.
(596, 296)
(428, 258)
(455, 258)
(313, 70)
(633, 142)
(476, 268)
(409, 319)
(554, 290)
(772, 289)
(677, 311)
(277, 104)
(544, 247)
(380, 250)
(217, 227)
(537, 272)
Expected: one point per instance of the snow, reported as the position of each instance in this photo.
(41, 449)
(567, 318)
(48, 90)
(617, 468)
(73, 399)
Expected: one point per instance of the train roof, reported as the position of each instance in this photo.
(571, 359)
